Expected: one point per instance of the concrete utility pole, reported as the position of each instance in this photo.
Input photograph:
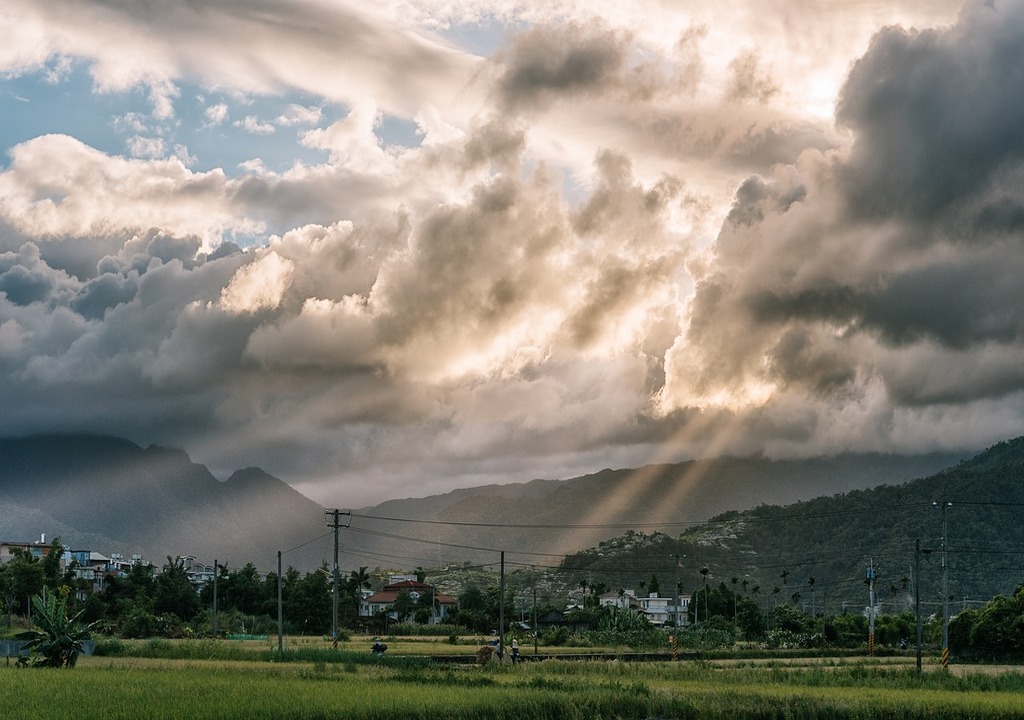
(871, 607)
(917, 595)
(501, 609)
(535, 620)
(280, 607)
(215, 574)
(944, 505)
(333, 522)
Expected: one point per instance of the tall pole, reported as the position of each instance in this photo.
(334, 523)
(535, 621)
(871, 607)
(334, 582)
(917, 596)
(334, 586)
(280, 607)
(945, 505)
(216, 572)
(501, 609)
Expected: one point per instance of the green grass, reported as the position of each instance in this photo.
(128, 687)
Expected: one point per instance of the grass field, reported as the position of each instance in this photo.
(184, 684)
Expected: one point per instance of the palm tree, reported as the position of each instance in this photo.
(810, 582)
(735, 581)
(704, 573)
(357, 580)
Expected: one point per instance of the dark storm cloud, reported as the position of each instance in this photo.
(23, 286)
(100, 294)
(898, 261)
(548, 62)
(25, 278)
(937, 116)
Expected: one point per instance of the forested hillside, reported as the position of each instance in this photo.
(816, 552)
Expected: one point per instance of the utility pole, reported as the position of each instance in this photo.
(917, 595)
(333, 522)
(535, 620)
(501, 609)
(280, 607)
(215, 574)
(871, 607)
(945, 505)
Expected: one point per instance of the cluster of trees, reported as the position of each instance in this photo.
(725, 608)
(993, 632)
(26, 576)
(142, 603)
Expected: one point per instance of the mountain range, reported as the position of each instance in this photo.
(110, 495)
(818, 552)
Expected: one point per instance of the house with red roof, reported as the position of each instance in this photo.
(384, 600)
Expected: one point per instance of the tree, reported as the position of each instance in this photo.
(311, 602)
(56, 637)
(403, 606)
(735, 581)
(357, 580)
(471, 599)
(749, 619)
(704, 571)
(52, 575)
(653, 586)
(20, 579)
(174, 592)
(132, 591)
(243, 591)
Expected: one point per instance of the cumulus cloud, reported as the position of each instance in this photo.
(142, 147)
(216, 114)
(252, 124)
(876, 271)
(625, 236)
(57, 185)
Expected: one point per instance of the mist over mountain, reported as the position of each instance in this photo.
(110, 495)
(563, 516)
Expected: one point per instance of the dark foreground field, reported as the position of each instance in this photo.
(200, 680)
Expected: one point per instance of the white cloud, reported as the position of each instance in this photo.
(299, 115)
(252, 124)
(259, 285)
(55, 185)
(142, 147)
(216, 114)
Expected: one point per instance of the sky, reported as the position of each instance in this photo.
(385, 250)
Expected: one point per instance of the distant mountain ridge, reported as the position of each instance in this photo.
(664, 496)
(832, 539)
(110, 495)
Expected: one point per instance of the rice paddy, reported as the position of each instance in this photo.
(217, 679)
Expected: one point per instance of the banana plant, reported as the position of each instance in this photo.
(56, 640)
